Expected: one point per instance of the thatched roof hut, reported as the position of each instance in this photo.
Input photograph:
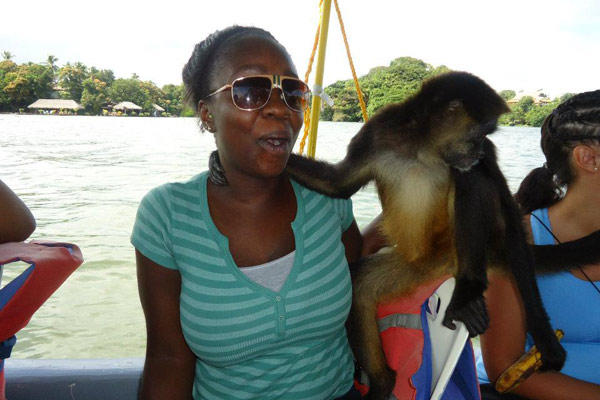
(157, 107)
(538, 97)
(55, 104)
(127, 106)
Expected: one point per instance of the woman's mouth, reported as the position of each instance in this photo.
(275, 145)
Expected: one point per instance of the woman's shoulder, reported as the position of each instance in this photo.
(190, 186)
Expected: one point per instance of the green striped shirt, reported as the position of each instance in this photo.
(251, 342)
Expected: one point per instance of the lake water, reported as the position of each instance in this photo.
(83, 178)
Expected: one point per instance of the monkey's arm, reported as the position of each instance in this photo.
(336, 180)
(567, 255)
(473, 212)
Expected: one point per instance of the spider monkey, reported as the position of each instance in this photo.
(446, 209)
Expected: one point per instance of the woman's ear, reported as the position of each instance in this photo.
(586, 158)
(206, 116)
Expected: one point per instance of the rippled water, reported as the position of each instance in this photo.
(83, 177)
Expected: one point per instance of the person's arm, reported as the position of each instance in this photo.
(504, 342)
(352, 240)
(16, 221)
(373, 239)
(170, 364)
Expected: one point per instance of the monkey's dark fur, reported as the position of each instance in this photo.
(446, 209)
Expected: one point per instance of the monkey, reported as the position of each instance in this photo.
(446, 209)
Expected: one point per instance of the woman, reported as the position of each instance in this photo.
(571, 144)
(17, 222)
(243, 274)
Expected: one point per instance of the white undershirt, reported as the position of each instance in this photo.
(273, 274)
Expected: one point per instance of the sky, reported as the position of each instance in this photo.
(553, 45)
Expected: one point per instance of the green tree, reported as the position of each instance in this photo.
(51, 61)
(23, 84)
(127, 90)
(507, 94)
(381, 86)
(153, 95)
(538, 113)
(94, 95)
(517, 115)
(70, 79)
(7, 55)
(173, 99)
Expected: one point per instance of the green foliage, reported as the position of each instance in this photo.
(173, 98)
(70, 79)
(95, 95)
(507, 94)
(381, 86)
(526, 112)
(21, 85)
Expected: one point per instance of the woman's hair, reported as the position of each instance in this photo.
(197, 75)
(575, 121)
(198, 71)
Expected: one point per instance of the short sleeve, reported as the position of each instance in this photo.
(151, 230)
(343, 207)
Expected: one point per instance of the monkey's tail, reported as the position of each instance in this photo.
(567, 255)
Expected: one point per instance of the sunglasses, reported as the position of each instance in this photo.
(253, 92)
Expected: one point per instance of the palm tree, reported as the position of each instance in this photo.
(51, 61)
(7, 55)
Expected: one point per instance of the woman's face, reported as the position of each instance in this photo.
(255, 143)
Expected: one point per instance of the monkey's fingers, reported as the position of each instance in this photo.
(552, 353)
(474, 315)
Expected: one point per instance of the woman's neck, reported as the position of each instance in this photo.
(578, 213)
(251, 190)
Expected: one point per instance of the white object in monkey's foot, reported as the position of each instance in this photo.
(446, 344)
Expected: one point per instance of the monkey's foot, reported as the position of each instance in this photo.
(381, 385)
(473, 314)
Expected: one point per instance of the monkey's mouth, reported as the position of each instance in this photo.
(465, 166)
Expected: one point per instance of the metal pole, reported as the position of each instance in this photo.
(318, 86)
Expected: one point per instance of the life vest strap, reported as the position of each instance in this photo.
(6, 347)
(410, 321)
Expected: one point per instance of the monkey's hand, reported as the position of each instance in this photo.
(472, 313)
(552, 353)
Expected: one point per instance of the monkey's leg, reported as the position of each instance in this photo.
(474, 213)
(379, 277)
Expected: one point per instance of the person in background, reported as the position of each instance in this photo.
(16, 221)
(571, 144)
(243, 273)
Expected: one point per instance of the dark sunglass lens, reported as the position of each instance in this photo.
(251, 93)
(296, 94)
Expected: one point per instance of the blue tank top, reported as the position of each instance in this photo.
(573, 305)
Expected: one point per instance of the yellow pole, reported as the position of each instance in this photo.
(316, 100)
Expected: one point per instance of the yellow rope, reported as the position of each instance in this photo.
(361, 100)
(306, 76)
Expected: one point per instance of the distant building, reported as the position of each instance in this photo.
(126, 106)
(539, 97)
(157, 110)
(55, 105)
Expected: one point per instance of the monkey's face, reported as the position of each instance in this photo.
(465, 148)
